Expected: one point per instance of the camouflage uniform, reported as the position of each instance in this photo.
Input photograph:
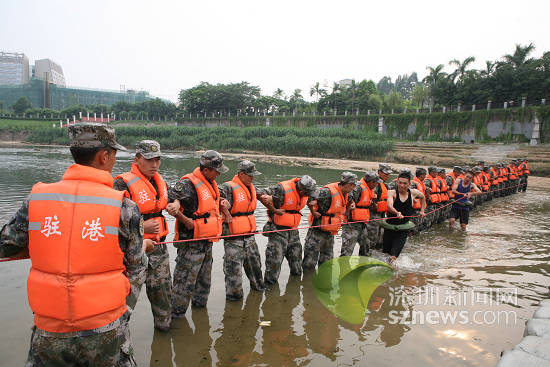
(449, 182)
(108, 345)
(280, 245)
(417, 220)
(353, 233)
(431, 208)
(373, 226)
(240, 251)
(159, 280)
(319, 245)
(193, 271)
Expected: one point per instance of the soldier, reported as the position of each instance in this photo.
(478, 181)
(514, 178)
(381, 193)
(149, 191)
(199, 219)
(241, 251)
(284, 203)
(418, 184)
(432, 196)
(365, 203)
(444, 194)
(329, 213)
(82, 294)
(524, 174)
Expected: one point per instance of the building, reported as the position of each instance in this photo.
(46, 69)
(14, 68)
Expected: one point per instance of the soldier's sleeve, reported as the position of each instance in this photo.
(324, 200)
(185, 192)
(277, 193)
(355, 194)
(14, 236)
(120, 185)
(226, 193)
(428, 185)
(130, 238)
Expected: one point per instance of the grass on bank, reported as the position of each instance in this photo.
(311, 142)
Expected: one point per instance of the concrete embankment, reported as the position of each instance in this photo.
(534, 348)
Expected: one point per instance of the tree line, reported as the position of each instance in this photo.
(514, 77)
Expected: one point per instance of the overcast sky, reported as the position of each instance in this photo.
(165, 46)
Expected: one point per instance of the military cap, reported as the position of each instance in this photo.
(214, 160)
(465, 169)
(442, 170)
(348, 178)
(481, 163)
(486, 168)
(476, 169)
(420, 171)
(248, 168)
(307, 184)
(93, 135)
(149, 149)
(407, 171)
(385, 168)
(457, 168)
(371, 176)
(432, 169)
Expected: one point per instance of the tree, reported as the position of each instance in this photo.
(489, 68)
(393, 101)
(434, 74)
(460, 68)
(318, 91)
(519, 57)
(420, 95)
(296, 99)
(385, 85)
(375, 102)
(279, 94)
(21, 105)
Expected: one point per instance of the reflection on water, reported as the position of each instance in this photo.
(506, 247)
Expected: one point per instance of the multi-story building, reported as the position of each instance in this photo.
(14, 68)
(46, 69)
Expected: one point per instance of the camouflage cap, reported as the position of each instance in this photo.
(442, 170)
(248, 168)
(385, 168)
(149, 149)
(348, 178)
(476, 169)
(307, 184)
(465, 169)
(371, 176)
(407, 171)
(481, 163)
(486, 168)
(421, 171)
(214, 160)
(93, 135)
(457, 168)
(432, 169)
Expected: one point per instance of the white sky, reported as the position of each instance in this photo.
(165, 46)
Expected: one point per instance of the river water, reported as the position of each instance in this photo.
(492, 277)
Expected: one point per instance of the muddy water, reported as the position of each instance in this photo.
(494, 274)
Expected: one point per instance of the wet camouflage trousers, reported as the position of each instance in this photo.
(192, 276)
(107, 349)
(523, 183)
(318, 248)
(282, 245)
(433, 215)
(159, 287)
(241, 253)
(355, 233)
(375, 232)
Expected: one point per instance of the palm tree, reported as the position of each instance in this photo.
(279, 94)
(434, 75)
(460, 67)
(489, 68)
(519, 57)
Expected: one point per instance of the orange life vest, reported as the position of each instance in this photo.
(495, 176)
(443, 189)
(453, 177)
(382, 205)
(513, 173)
(504, 174)
(292, 205)
(331, 221)
(143, 193)
(362, 211)
(527, 168)
(244, 205)
(486, 180)
(77, 279)
(420, 187)
(207, 220)
(434, 195)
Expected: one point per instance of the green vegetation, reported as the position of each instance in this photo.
(337, 143)
(21, 125)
